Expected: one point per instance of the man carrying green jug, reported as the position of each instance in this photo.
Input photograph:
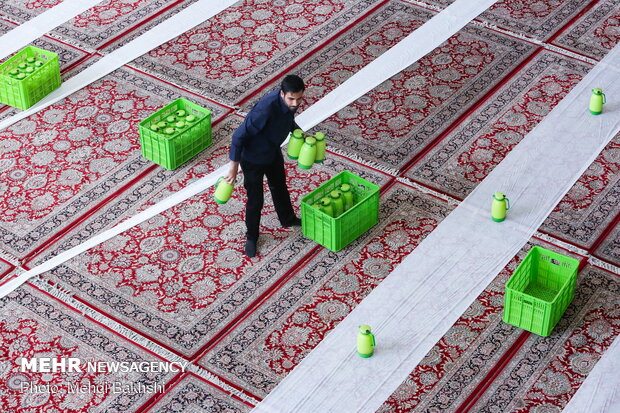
(256, 146)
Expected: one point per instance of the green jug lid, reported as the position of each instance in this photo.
(298, 133)
(334, 194)
(597, 91)
(365, 329)
(326, 201)
(319, 136)
(310, 140)
(345, 187)
(499, 196)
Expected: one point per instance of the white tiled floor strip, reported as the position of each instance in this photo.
(31, 30)
(419, 301)
(600, 392)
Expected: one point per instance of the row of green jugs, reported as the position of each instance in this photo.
(337, 201)
(307, 149)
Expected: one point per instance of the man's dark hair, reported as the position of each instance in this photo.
(292, 84)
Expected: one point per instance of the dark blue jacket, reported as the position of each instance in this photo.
(259, 137)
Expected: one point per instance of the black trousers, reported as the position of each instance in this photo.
(253, 182)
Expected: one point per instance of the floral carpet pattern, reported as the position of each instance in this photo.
(32, 325)
(193, 394)
(182, 276)
(557, 364)
(232, 54)
(63, 160)
(547, 371)
(610, 247)
(589, 206)
(274, 339)
(96, 26)
(452, 369)
(179, 284)
(467, 155)
(394, 122)
(537, 19)
(596, 33)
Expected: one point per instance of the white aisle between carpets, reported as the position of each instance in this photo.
(45, 22)
(400, 56)
(426, 294)
(600, 392)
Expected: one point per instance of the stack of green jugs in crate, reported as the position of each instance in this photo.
(28, 77)
(307, 149)
(176, 133)
(340, 210)
(174, 124)
(337, 202)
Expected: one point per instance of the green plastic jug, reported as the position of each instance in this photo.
(320, 147)
(365, 342)
(500, 205)
(295, 143)
(223, 191)
(347, 195)
(337, 203)
(597, 100)
(326, 206)
(307, 153)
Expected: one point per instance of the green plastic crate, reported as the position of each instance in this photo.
(24, 93)
(539, 291)
(337, 233)
(172, 151)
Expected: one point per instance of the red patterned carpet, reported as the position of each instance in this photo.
(596, 32)
(537, 19)
(609, 249)
(96, 27)
(32, 324)
(63, 161)
(193, 394)
(235, 52)
(179, 286)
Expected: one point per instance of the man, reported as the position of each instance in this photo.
(256, 146)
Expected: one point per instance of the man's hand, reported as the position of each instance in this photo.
(231, 177)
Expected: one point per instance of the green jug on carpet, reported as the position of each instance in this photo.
(223, 191)
(320, 147)
(307, 153)
(500, 205)
(295, 143)
(365, 342)
(597, 100)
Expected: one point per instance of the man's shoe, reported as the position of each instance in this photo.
(250, 248)
(296, 222)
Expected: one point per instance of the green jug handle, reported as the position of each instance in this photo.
(604, 98)
(218, 181)
(373, 340)
(507, 204)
